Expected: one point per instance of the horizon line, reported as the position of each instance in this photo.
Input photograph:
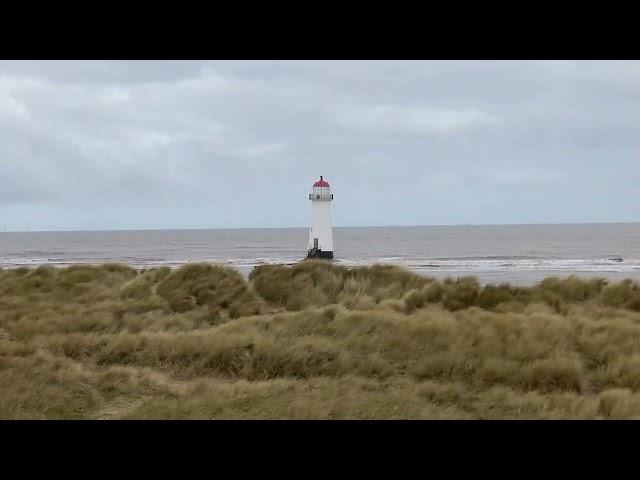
(306, 227)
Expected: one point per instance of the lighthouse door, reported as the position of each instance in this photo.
(315, 243)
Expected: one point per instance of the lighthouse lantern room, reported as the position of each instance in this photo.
(320, 233)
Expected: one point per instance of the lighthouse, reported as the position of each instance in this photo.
(320, 234)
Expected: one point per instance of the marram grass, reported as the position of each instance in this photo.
(313, 341)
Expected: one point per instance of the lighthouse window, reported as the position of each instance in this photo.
(317, 196)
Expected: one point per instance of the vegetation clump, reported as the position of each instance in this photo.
(208, 285)
(313, 340)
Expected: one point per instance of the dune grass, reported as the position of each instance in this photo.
(314, 340)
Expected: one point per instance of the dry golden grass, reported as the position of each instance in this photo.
(313, 341)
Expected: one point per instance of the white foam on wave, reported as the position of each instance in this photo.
(578, 265)
(589, 265)
(582, 265)
(34, 262)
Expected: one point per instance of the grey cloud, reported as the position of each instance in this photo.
(171, 144)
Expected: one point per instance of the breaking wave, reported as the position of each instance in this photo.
(440, 265)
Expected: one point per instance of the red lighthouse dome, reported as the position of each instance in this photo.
(321, 183)
(321, 191)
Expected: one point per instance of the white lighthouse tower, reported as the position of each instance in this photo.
(320, 233)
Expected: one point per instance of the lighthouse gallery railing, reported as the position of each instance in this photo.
(321, 197)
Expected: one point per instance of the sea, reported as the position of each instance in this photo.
(518, 254)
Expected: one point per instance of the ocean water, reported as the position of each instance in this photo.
(519, 254)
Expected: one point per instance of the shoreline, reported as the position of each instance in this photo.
(514, 276)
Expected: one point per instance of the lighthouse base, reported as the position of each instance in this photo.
(315, 253)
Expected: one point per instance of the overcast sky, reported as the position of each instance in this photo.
(186, 144)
